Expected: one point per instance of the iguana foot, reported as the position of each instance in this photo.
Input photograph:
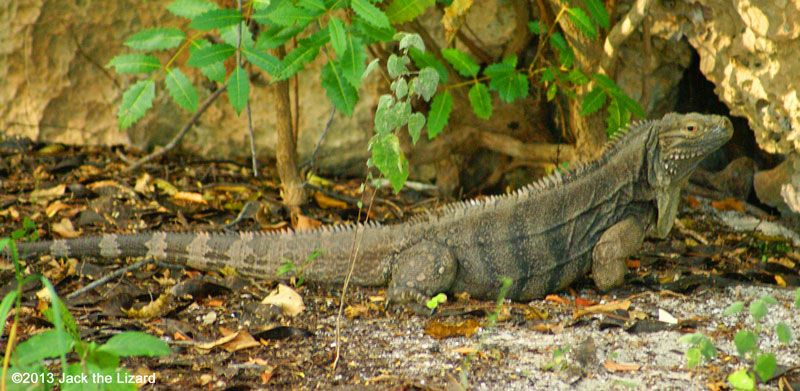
(616, 244)
(420, 272)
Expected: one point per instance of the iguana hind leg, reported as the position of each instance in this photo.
(421, 271)
(620, 241)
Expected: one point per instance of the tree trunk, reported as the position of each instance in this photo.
(286, 147)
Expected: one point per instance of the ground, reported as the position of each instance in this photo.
(223, 337)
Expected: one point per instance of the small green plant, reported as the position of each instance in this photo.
(289, 266)
(702, 347)
(559, 361)
(435, 301)
(98, 364)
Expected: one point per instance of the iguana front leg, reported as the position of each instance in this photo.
(619, 242)
(421, 271)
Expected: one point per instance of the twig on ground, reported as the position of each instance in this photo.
(115, 274)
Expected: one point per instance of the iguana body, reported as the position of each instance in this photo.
(543, 236)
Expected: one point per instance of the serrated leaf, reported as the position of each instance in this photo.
(629, 104)
(422, 59)
(181, 89)
(353, 60)
(593, 101)
(238, 89)
(230, 35)
(286, 14)
(263, 60)
(536, 27)
(784, 332)
(276, 36)
(439, 113)
(135, 63)
(426, 83)
(343, 95)
(156, 39)
(415, 124)
(401, 11)
(315, 6)
(136, 100)
(598, 11)
(583, 21)
(336, 31)
(558, 42)
(577, 77)
(396, 65)
(215, 71)
(389, 158)
(549, 74)
(480, 100)
(305, 52)
(616, 118)
(765, 366)
(461, 62)
(210, 55)
(371, 33)
(505, 79)
(190, 8)
(745, 341)
(215, 19)
(606, 82)
(565, 54)
(734, 308)
(370, 13)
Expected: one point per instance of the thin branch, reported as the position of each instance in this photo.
(115, 274)
(621, 31)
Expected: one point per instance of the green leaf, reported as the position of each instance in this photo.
(765, 366)
(401, 11)
(370, 67)
(315, 6)
(389, 158)
(134, 343)
(693, 338)
(439, 113)
(577, 77)
(230, 35)
(305, 52)
(593, 101)
(769, 300)
(370, 13)
(156, 39)
(461, 62)
(210, 55)
(215, 19)
(741, 380)
(745, 341)
(797, 297)
(263, 60)
(551, 91)
(42, 346)
(582, 20)
(617, 117)
(6, 304)
(415, 124)
(396, 65)
(181, 89)
(598, 11)
(135, 63)
(400, 88)
(422, 59)
(238, 89)
(190, 8)
(215, 71)
(708, 349)
(136, 100)
(425, 83)
(353, 60)
(536, 27)
(606, 82)
(628, 103)
(758, 308)
(343, 95)
(410, 41)
(505, 79)
(336, 30)
(693, 357)
(276, 36)
(286, 14)
(549, 74)
(735, 308)
(558, 42)
(565, 54)
(783, 331)
(371, 33)
(480, 100)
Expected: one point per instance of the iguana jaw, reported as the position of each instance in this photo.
(683, 140)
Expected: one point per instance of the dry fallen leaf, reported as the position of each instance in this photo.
(729, 203)
(617, 367)
(289, 301)
(326, 202)
(190, 197)
(65, 229)
(305, 223)
(581, 302)
(607, 307)
(454, 17)
(556, 299)
(43, 195)
(693, 202)
(439, 330)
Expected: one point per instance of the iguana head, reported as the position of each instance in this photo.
(680, 142)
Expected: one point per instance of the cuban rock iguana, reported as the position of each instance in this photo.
(543, 236)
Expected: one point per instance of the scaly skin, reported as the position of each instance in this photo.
(543, 237)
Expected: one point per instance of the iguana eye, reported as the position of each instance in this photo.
(691, 128)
